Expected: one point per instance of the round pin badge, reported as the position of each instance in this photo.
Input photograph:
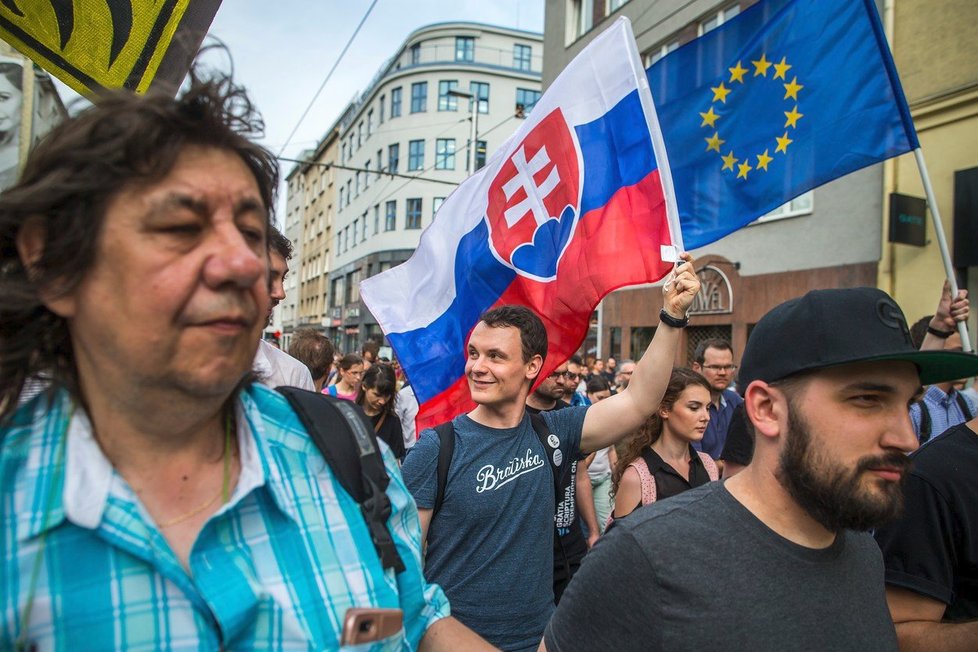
(558, 457)
(553, 441)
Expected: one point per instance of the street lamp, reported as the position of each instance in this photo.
(474, 103)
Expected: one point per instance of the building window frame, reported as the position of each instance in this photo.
(415, 155)
(445, 154)
(465, 49)
(413, 213)
(419, 97)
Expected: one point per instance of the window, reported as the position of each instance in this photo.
(370, 122)
(390, 216)
(480, 90)
(376, 219)
(380, 167)
(363, 233)
(480, 154)
(435, 205)
(336, 292)
(356, 224)
(660, 51)
(464, 48)
(415, 155)
(343, 153)
(393, 157)
(614, 5)
(583, 15)
(396, 102)
(719, 18)
(526, 99)
(380, 110)
(413, 213)
(360, 135)
(445, 154)
(447, 102)
(359, 181)
(419, 97)
(800, 205)
(349, 191)
(366, 175)
(415, 54)
(341, 196)
(522, 56)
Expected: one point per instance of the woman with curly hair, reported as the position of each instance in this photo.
(660, 461)
(376, 396)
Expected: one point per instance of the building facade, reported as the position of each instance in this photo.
(932, 48)
(310, 212)
(406, 143)
(830, 237)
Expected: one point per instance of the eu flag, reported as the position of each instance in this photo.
(787, 96)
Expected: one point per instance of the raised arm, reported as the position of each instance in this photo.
(946, 318)
(612, 419)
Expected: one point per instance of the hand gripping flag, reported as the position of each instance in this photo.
(786, 96)
(571, 207)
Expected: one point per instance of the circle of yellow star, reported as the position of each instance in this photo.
(783, 143)
(737, 73)
(710, 118)
(720, 93)
(792, 117)
(744, 169)
(781, 68)
(763, 160)
(761, 66)
(714, 142)
(728, 161)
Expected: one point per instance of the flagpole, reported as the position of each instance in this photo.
(941, 242)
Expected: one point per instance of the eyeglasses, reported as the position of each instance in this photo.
(566, 374)
(720, 367)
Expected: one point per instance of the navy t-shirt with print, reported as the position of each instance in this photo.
(490, 547)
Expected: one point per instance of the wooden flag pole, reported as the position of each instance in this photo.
(941, 242)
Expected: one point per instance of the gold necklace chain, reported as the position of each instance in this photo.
(225, 484)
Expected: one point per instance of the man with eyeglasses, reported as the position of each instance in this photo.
(577, 500)
(714, 359)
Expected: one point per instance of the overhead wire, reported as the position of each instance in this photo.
(328, 76)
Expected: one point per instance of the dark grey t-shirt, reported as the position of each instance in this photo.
(491, 545)
(700, 572)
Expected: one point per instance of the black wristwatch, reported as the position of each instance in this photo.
(669, 320)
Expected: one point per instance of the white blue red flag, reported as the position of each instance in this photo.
(576, 204)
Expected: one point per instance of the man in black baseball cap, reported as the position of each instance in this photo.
(777, 554)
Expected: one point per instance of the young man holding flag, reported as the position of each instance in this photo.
(490, 543)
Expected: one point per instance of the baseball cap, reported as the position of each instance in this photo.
(827, 328)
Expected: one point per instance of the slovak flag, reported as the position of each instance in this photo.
(576, 204)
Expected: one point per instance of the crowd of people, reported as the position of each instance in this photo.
(158, 492)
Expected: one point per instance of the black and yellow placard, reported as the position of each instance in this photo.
(96, 44)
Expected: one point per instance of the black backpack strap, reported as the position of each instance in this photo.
(446, 449)
(925, 423)
(963, 404)
(550, 446)
(345, 437)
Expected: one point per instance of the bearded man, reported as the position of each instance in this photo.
(777, 556)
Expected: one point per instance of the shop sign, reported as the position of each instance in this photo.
(715, 296)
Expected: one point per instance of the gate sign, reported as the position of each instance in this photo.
(96, 44)
(715, 296)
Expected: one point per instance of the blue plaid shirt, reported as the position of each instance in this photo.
(274, 569)
(943, 409)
